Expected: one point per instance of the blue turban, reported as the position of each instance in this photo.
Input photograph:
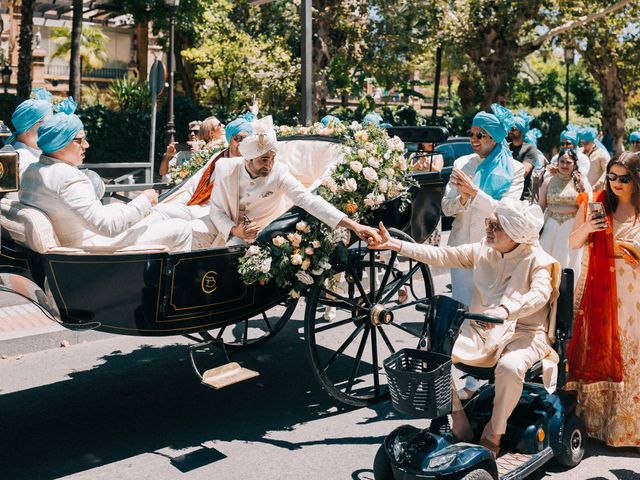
(532, 136)
(328, 119)
(495, 175)
(635, 136)
(31, 112)
(587, 134)
(570, 135)
(57, 131)
(522, 121)
(240, 124)
(372, 118)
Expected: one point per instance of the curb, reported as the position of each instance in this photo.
(37, 339)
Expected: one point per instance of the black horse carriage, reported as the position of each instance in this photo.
(200, 295)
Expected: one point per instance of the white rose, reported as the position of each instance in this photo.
(306, 264)
(370, 147)
(295, 239)
(350, 185)
(361, 136)
(325, 265)
(362, 153)
(370, 174)
(294, 294)
(305, 278)
(330, 184)
(373, 162)
(354, 126)
(302, 226)
(380, 199)
(296, 259)
(383, 185)
(316, 244)
(253, 250)
(278, 241)
(317, 271)
(265, 266)
(389, 172)
(309, 250)
(369, 200)
(386, 155)
(356, 166)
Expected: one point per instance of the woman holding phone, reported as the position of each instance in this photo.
(604, 353)
(559, 202)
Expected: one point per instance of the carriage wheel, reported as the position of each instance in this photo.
(347, 351)
(257, 329)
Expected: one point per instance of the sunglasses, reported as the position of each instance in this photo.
(195, 132)
(566, 143)
(80, 140)
(492, 225)
(238, 138)
(635, 141)
(478, 135)
(623, 178)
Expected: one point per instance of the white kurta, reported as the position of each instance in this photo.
(526, 282)
(28, 155)
(598, 160)
(262, 199)
(80, 220)
(468, 226)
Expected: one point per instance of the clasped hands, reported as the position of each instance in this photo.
(464, 184)
(246, 231)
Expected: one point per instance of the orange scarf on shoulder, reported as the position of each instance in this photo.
(594, 352)
(202, 193)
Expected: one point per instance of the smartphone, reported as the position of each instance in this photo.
(246, 220)
(597, 209)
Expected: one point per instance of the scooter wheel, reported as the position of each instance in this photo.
(382, 465)
(574, 436)
(478, 474)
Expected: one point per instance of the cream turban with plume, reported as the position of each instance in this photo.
(261, 141)
(520, 220)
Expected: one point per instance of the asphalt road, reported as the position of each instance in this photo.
(131, 408)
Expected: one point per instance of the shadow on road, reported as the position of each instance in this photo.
(148, 399)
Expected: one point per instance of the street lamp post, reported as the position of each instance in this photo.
(171, 131)
(6, 77)
(568, 60)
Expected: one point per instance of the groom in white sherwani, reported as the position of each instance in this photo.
(251, 191)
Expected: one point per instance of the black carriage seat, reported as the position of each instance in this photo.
(564, 329)
(32, 229)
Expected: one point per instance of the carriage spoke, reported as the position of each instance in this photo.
(220, 333)
(405, 329)
(374, 352)
(387, 273)
(356, 364)
(362, 292)
(339, 323)
(408, 304)
(343, 347)
(266, 320)
(401, 281)
(384, 336)
(346, 300)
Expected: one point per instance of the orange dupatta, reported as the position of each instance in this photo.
(594, 352)
(202, 193)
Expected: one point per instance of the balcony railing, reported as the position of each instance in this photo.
(63, 71)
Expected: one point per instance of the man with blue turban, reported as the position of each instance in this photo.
(570, 138)
(634, 141)
(327, 120)
(523, 152)
(374, 118)
(597, 154)
(26, 120)
(57, 187)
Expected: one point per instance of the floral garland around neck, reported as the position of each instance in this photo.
(373, 169)
(334, 129)
(179, 173)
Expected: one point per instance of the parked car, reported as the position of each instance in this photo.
(453, 148)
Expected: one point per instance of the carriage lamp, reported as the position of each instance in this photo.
(6, 77)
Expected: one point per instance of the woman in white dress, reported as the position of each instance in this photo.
(559, 201)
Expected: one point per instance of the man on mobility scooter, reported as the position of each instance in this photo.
(516, 284)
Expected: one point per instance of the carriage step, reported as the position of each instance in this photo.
(228, 374)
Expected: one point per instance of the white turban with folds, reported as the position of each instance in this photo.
(262, 140)
(520, 220)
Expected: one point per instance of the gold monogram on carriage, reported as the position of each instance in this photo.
(209, 283)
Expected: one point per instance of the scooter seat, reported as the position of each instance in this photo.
(487, 373)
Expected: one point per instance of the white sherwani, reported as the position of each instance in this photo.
(468, 226)
(526, 282)
(80, 220)
(27, 154)
(598, 160)
(262, 199)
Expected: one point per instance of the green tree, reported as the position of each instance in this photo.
(93, 50)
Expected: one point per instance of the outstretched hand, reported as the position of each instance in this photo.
(386, 241)
(368, 234)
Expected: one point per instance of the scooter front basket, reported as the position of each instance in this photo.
(419, 382)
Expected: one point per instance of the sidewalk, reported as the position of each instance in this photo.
(25, 329)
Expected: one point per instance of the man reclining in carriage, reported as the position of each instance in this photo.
(514, 280)
(252, 191)
(57, 187)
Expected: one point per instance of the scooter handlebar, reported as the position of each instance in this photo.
(478, 317)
